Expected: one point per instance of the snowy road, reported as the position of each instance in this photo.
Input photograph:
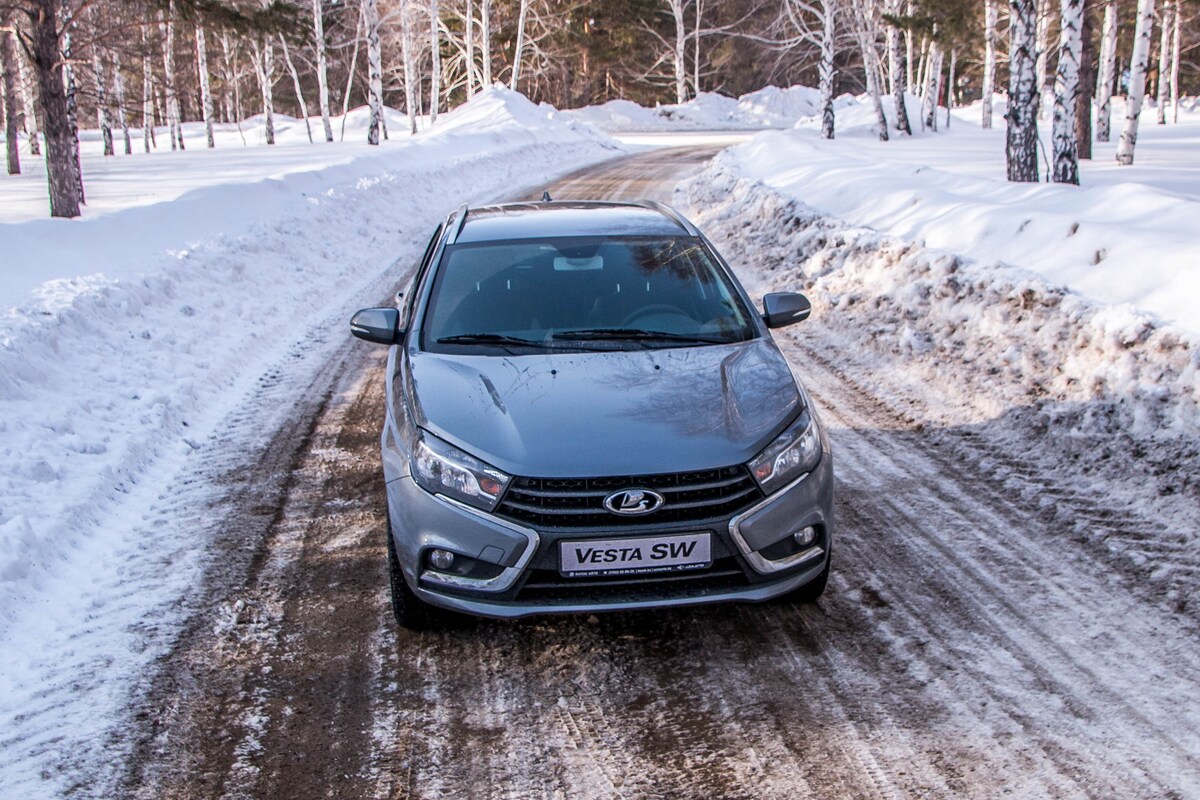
(963, 650)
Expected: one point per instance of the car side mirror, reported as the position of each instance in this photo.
(785, 308)
(379, 325)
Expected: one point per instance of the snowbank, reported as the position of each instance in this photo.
(771, 107)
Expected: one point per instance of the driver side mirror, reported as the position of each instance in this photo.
(379, 325)
(785, 308)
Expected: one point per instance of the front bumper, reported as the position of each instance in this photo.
(523, 579)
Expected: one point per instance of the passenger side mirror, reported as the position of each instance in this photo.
(785, 308)
(379, 325)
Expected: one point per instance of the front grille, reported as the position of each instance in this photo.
(579, 502)
(548, 586)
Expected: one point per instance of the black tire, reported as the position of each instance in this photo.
(812, 591)
(411, 612)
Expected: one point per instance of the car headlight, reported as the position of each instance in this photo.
(795, 452)
(441, 468)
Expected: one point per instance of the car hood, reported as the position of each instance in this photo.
(586, 414)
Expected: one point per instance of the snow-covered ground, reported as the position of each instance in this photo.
(193, 282)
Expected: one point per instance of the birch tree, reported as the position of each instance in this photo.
(1044, 82)
(1164, 61)
(8, 60)
(370, 15)
(72, 115)
(1175, 64)
(1021, 145)
(866, 31)
(408, 55)
(469, 45)
(103, 119)
(519, 51)
(897, 71)
(1137, 80)
(43, 44)
(291, 65)
(147, 92)
(166, 24)
(206, 104)
(679, 54)
(435, 69)
(122, 111)
(264, 70)
(828, 32)
(485, 41)
(1066, 91)
(1108, 71)
(322, 68)
(991, 17)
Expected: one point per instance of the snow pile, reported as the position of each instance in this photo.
(1106, 391)
(771, 107)
(1112, 239)
(778, 108)
(102, 371)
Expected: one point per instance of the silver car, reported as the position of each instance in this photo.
(585, 412)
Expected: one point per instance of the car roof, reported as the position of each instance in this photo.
(549, 219)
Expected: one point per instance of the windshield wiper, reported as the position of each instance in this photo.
(635, 334)
(487, 338)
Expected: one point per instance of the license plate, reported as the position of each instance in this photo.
(626, 555)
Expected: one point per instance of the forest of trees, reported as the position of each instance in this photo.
(127, 65)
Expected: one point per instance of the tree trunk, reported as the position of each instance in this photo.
(680, 55)
(435, 68)
(206, 104)
(696, 47)
(950, 86)
(72, 115)
(1108, 72)
(516, 68)
(866, 34)
(485, 44)
(1022, 139)
(1175, 65)
(929, 97)
(909, 61)
(991, 16)
(29, 105)
(362, 13)
(8, 60)
(174, 123)
(147, 93)
(1066, 94)
(407, 46)
(122, 111)
(1164, 62)
(828, 38)
(1137, 80)
(322, 69)
(470, 44)
(61, 175)
(375, 66)
(895, 54)
(1087, 82)
(287, 58)
(1045, 11)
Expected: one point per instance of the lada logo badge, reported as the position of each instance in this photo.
(634, 502)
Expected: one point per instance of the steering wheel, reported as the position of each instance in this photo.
(655, 309)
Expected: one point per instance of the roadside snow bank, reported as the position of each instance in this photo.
(101, 374)
(771, 107)
(1104, 397)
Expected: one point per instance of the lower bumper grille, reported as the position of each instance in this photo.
(548, 586)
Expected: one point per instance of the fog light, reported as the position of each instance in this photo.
(442, 560)
(806, 536)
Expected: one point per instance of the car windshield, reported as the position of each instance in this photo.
(583, 292)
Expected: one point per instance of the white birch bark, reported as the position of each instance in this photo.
(435, 68)
(264, 70)
(8, 65)
(1043, 56)
(828, 37)
(991, 16)
(898, 80)
(103, 116)
(72, 114)
(1175, 64)
(679, 55)
(122, 111)
(909, 62)
(866, 34)
(1107, 74)
(408, 46)
(950, 86)
(1066, 94)
(322, 68)
(470, 45)
(206, 104)
(1137, 80)
(147, 94)
(1164, 62)
(29, 105)
(485, 43)
(358, 26)
(287, 58)
(370, 14)
(1021, 139)
(929, 91)
(518, 52)
(699, 23)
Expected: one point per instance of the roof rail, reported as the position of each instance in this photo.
(674, 215)
(462, 219)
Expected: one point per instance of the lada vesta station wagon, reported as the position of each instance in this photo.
(585, 412)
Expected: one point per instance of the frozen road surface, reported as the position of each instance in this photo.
(963, 648)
